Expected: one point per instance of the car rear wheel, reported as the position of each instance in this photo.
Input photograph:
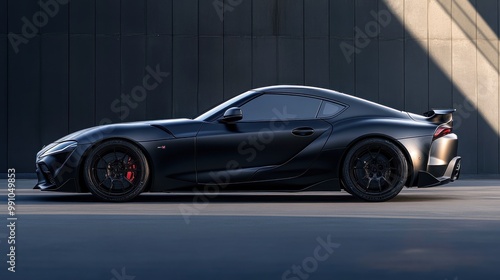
(374, 170)
(116, 171)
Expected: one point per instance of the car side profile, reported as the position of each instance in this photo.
(277, 138)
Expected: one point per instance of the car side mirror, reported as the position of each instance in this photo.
(232, 114)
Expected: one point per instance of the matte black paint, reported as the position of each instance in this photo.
(278, 155)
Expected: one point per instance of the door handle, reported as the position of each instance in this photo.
(303, 131)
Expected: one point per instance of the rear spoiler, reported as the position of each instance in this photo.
(440, 116)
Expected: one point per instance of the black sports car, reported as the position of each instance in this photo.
(278, 138)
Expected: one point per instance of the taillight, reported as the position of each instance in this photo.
(441, 131)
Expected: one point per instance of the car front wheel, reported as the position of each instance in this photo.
(116, 171)
(374, 170)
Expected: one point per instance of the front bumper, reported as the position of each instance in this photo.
(59, 172)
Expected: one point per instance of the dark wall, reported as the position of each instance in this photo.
(77, 70)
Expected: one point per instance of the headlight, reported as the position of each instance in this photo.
(60, 148)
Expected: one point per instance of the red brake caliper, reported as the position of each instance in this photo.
(130, 174)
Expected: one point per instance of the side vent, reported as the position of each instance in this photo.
(163, 128)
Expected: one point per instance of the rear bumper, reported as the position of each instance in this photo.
(443, 165)
(452, 173)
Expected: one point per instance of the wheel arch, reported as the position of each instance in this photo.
(81, 181)
(380, 136)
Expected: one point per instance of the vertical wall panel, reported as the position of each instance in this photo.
(342, 46)
(391, 53)
(316, 18)
(487, 85)
(465, 100)
(3, 17)
(342, 19)
(19, 9)
(211, 69)
(108, 17)
(108, 102)
(54, 87)
(440, 85)
(209, 22)
(487, 95)
(107, 62)
(237, 65)
(238, 18)
(366, 25)
(415, 18)
(265, 17)
(316, 45)
(185, 58)
(316, 68)
(81, 82)
(416, 58)
(291, 17)
(416, 76)
(185, 77)
(54, 72)
(18, 13)
(24, 109)
(290, 60)
(487, 19)
(367, 54)
(367, 64)
(391, 73)
(133, 19)
(185, 17)
(82, 16)
(388, 15)
(264, 57)
(342, 75)
(57, 17)
(159, 16)
(159, 99)
(464, 61)
(81, 68)
(133, 63)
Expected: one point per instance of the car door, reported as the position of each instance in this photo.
(278, 137)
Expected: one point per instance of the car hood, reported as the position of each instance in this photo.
(137, 131)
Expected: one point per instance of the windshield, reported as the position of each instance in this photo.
(217, 109)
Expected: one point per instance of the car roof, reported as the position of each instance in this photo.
(361, 106)
(319, 92)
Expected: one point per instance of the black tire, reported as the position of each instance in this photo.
(374, 170)
(116, 171)
(346, 189)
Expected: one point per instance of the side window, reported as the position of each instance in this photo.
(280, 107)
(329, 109)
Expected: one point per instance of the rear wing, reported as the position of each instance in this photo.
(440, 116)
